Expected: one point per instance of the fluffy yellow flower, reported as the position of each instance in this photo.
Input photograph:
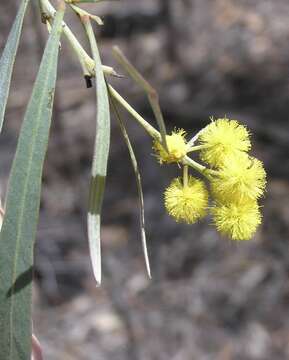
(223, 137)
(238, 221)
(177, 147)
(186, 203)
(240, 177)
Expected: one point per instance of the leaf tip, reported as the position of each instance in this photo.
(149, 274)
(97, 277)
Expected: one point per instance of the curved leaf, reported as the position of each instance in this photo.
(138, 183)
(22, 208)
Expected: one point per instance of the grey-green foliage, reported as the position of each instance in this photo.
(22, 208)
(8, 58)
(100, 158)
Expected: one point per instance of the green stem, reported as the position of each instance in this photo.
(192, 163)
(198, 147)
(148, 128)
(85, 60)
(185, 175)
(156, 135)
(208, 173)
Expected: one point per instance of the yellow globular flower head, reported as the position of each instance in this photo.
(186, 203)
(177, 147)
(239, 177)
(223, 137)
(239, 220)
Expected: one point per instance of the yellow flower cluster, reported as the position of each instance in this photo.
(239, 177)
(222, 138)
(237, 220)
(187, 203)
(239, 181)
(236, 179)
(177, 147)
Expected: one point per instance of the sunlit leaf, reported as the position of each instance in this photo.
(100, 158)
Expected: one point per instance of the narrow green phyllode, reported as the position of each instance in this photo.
(100, 157)
(22, 208)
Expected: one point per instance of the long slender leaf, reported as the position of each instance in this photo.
(100, 158)
(22, 208)
(138, 182)
(8, 58)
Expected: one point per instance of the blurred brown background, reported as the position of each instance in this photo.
(209, 298)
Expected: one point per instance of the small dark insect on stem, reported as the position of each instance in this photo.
(88, 81)
(44, 18)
